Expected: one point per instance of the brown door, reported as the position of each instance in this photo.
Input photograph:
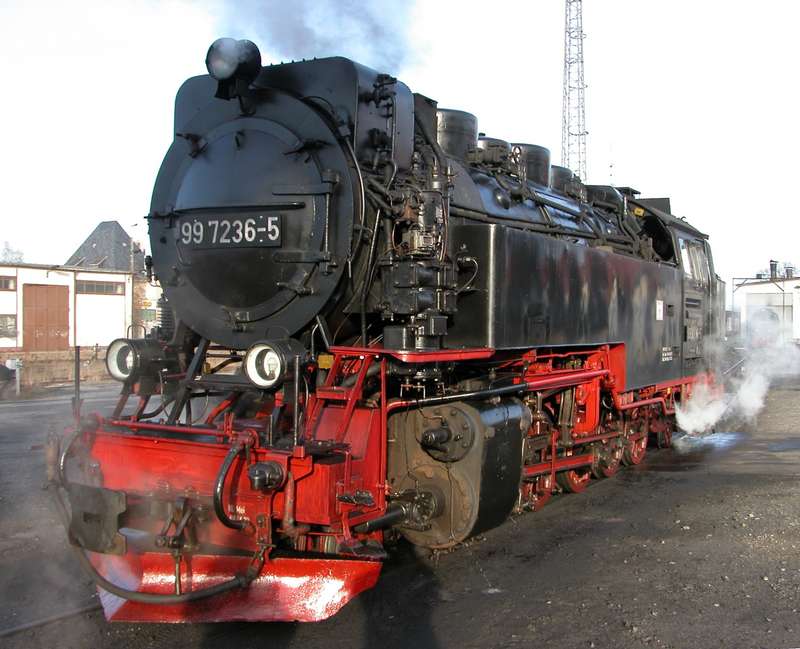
(45, 318)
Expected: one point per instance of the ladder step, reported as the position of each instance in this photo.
(333, 394)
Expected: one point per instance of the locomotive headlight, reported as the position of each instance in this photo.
(128, 359)
(263, 365)
(228, 58)
(121, 360)
(268, 363)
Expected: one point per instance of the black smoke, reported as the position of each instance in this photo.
(371, 32)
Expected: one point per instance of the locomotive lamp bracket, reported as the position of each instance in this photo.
(197, 143)
(296, 288)
(306, 146)
(381, 90)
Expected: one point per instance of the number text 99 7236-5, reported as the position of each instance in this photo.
(258, 230)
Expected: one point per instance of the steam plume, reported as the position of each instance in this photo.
(372, 33)
(746, 391)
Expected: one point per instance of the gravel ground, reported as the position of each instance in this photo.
(698, 547)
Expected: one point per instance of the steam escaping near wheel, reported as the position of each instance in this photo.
(763, 362)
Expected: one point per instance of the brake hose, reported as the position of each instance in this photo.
(219, 484)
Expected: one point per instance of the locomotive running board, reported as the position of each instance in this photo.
(286, 590)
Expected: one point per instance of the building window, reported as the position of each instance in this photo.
(8, 326)
(100, 288)
(8, 283)
(147, 315)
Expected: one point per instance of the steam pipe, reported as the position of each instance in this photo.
(289, 525)
(644, 402)
(566, 380)
(146, 425)
(296, 402)
(441, 157)
(474, 215)
(368, 277)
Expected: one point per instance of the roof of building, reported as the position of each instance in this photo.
(74, 269)
(756, 281)
(108, 247)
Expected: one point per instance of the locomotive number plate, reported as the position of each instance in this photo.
(258, 230)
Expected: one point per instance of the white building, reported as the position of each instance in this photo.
(53, 308)
(776, 300)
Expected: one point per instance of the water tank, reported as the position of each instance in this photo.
(494, 151)
(456, 132)
(534, 161)
(560, 178)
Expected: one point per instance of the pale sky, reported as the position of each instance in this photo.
(688, 99)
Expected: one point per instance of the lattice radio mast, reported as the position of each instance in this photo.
(573, 118)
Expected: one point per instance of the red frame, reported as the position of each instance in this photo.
(149, 466)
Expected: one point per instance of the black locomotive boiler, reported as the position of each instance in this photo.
(383, 324)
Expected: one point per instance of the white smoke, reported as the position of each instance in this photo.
(745, 389)
(374, 33)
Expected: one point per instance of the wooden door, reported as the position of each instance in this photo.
(45, 318)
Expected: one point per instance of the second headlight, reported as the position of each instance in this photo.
(268, 363)
(128, 359)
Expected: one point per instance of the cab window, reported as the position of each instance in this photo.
(700, 262)
(694, 260)
(686, 261)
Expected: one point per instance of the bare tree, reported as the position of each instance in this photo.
(10, 255)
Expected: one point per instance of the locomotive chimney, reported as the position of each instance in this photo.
(773, 269)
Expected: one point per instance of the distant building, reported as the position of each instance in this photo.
(108, 247)
(772, 301)
(100, 294)
(53, 308)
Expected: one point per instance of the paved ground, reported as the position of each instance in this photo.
(700, 547)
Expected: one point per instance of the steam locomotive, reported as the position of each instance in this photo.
(383, 324)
